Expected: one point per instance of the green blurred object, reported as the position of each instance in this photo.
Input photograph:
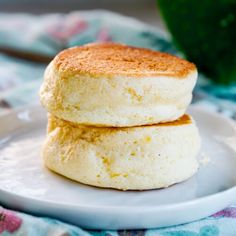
(205, 31)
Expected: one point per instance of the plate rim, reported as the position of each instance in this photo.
(138, 209)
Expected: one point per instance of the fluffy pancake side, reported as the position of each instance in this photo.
(139, 158)
(118, 101)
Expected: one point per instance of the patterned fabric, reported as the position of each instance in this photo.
(40, 38)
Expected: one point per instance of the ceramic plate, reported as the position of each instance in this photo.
(26, 185)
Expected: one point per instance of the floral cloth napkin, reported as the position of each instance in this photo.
(43, 37)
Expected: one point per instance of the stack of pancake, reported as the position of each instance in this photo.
(117, 117)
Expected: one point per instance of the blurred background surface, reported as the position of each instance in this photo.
(145, 10)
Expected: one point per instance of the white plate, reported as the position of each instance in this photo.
(28, 186)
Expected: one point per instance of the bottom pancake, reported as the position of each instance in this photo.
(135, 158)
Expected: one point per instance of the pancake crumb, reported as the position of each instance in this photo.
(204, 160)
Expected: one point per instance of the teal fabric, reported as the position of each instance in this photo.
(20, 81)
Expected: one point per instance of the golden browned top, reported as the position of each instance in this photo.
(113, 59)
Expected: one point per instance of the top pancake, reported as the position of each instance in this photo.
(113, 59)
(114, 85)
